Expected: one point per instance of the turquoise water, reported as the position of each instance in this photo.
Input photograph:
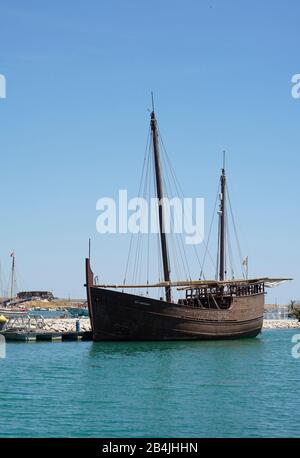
(245, 388)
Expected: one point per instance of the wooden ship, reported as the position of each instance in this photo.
(210, 309)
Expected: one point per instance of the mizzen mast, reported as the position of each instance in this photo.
(160, 196)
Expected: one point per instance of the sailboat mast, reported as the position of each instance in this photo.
(160, 195)
(12, 275)
(222, 224)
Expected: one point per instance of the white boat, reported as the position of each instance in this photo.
(78, 311)
(9, 313)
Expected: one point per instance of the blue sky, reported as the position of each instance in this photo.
(75, 121)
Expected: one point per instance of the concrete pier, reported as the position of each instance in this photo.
(33, 336)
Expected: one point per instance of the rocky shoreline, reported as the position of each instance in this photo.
(69, 324)
(66, 324)
(281, 324)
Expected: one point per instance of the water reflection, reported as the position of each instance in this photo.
(140, 347)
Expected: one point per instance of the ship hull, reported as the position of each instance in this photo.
(121, 316)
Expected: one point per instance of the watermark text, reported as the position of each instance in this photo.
(2, 346)
(296, 348)
(296, 86)
(137, 215)
(2, 87)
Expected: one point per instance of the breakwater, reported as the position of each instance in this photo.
(66, 324)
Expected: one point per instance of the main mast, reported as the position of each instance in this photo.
(160, 196)
(222, 214)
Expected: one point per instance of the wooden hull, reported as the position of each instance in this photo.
(120, 316)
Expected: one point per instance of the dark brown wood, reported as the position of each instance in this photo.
(222, 227)
(89, 277)
(121, 316)
(160, 195)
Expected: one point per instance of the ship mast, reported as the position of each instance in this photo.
(12, 275)
(160, 196)
(222, 214)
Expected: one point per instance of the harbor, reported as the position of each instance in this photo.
(149, 237)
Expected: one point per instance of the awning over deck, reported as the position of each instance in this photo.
(187, 284)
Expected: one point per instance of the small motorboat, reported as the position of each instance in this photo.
(3, 321)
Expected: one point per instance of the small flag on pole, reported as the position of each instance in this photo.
(245, 263)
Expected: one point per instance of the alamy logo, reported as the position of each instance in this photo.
(296, 87)
(296, 348)
(2, 347)
(143, 218)
(2, 87)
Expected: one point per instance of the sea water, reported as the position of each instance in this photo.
(238, 388)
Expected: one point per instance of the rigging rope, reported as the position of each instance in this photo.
(180, 192)
(177, 237)
(140, 186)
(209, 234)
(236, 233)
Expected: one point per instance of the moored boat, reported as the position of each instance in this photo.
(209, 309)
(78, 311)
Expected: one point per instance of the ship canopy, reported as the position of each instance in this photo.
(182, 285)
